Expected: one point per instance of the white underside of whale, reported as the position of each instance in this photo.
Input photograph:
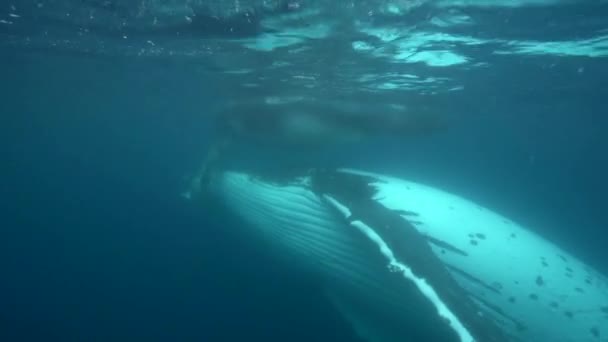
(531, 289)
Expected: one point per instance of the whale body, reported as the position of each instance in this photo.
(313, 123)
(403, 261)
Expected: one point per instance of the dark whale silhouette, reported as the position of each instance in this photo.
(300, 128)
(302, 123)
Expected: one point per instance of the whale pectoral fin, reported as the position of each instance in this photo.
(199, 181)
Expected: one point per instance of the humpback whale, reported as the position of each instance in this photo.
(300, 122)
(305, 125)
(403, 261)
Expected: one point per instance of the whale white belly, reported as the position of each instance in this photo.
(520, 286)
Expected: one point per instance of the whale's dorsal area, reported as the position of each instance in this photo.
(405, 261)
(302, 122)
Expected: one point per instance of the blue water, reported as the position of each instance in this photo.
(97, 245)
